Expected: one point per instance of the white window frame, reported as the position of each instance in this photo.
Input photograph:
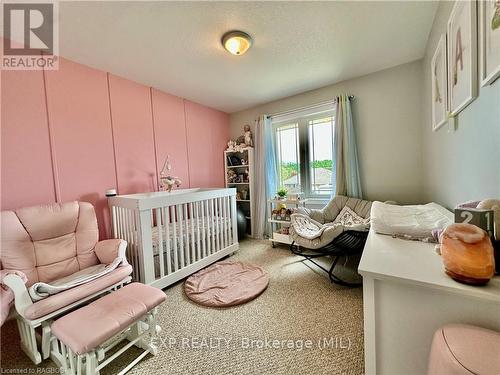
(302, 120)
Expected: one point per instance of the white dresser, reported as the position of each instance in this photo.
(407, 296)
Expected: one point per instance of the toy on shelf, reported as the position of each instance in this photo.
(242, 142)
(242, 195)
(248, 139)
(231, 176)
(284, 230)
(282, 213)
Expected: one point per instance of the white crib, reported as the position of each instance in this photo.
(172, 235)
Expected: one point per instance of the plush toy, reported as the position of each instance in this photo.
(231, 176)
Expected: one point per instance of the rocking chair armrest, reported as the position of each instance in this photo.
(108, 250)
(17, 284)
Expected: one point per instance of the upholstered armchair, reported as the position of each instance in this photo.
(49, 244)
(329, 214)
(338, 230)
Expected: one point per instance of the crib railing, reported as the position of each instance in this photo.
(171, 235)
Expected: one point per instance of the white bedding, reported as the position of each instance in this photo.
(188, 236)
(189, 227)
(415, 221)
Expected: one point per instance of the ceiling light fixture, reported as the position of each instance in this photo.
(236, 42)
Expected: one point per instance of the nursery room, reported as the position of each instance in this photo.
(250, 187)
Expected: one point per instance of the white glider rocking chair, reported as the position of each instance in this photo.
(338, 230)
(47, 244)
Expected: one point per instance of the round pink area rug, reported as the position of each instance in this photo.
(226, 283)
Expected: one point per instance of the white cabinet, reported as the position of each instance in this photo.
(407, 297)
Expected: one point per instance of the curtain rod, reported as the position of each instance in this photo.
(333, 101)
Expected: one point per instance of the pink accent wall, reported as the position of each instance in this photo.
(79, 120)
(170, 133)
(70, 135)
(220, 136)
(26, 174)
(131, 118)
(204, 128)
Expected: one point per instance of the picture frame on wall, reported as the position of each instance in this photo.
(462, 55)
(489, 41)
(439, 85)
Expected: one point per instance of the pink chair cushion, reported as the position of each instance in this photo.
(464, 349)
(91, 325)
(107, 250)
(60, 300)
(49, 242)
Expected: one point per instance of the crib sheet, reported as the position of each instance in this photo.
(185, 230)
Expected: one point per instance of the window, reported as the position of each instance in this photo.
(304, 154)
(287, 148)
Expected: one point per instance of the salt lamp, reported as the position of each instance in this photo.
(467, 254)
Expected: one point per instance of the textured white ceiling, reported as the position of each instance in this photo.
(298, 46)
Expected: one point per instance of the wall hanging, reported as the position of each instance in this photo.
(439, 85)
(462, 55)
(489, 32)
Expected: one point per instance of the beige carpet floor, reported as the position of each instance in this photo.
(300, 304)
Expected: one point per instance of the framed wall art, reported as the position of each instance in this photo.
(462, 55)
(439, 87)
(489, 40)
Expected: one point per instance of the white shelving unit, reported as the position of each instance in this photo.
(247, 204)
(276, 225)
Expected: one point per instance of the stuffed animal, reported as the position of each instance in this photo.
(231, 176)
(230, 145)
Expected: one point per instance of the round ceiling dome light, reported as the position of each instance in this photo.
(236, 42)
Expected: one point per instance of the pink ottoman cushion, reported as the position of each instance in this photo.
(464, 349)
(91, 325)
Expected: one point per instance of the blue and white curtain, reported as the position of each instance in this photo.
(345, 154)
(266, 173)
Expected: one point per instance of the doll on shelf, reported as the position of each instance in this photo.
(248, 136)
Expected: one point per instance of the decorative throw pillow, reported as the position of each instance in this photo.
(348, 218)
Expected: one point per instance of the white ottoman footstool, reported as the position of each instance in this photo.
(81, 338)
